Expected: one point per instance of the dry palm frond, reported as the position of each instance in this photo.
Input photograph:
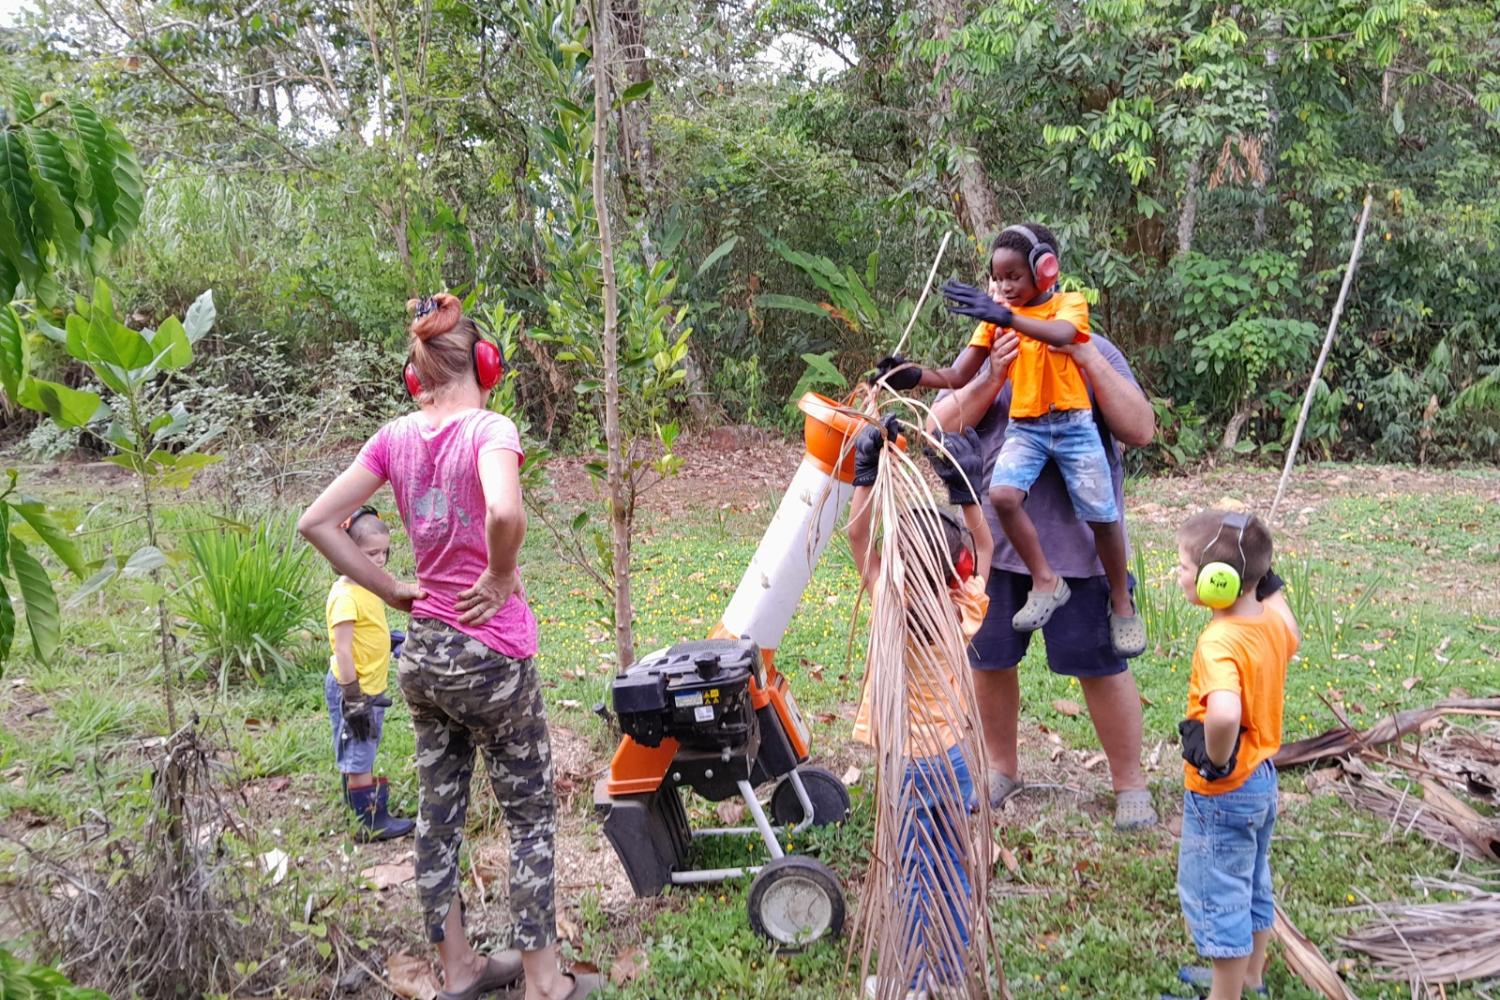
(1426, 943)
(1304, 958)
(916, 644)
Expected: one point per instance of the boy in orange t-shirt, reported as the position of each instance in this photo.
(1051, 419)
(1232, 730)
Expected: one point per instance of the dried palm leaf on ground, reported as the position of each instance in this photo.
(1406, 811)
(1425, 943)
(1304, 958)
(1344, 739)
(923, 924)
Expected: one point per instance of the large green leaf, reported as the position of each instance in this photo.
(7, 625)
(43, 618)
(170, 347)
(99, 158)
(792, 302)
(717, 252)
(53, 535)
(130, 185)
(14, 352)
(69, 407)
(8, 276)
(56, 193)
(17, 239)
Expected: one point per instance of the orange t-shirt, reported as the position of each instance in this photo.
(1041, 379)
(932, 687)
(1248, 656)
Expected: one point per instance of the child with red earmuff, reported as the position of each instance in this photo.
(1051, 419)
(467, 664)
(937, 772)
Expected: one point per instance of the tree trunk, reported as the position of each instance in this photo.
(628, 29)
(1188, 220)
(619, 509)
(980, 210)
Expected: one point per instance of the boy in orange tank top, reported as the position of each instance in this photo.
(1232, 730)
(1051, 419)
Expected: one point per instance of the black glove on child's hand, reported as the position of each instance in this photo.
(1195, 751)
(966, 300)
(962, 467)
(867, 450)
(1269, 584)
(358, 710)
(907, 374)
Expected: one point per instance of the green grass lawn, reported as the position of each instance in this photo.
(1093, 913)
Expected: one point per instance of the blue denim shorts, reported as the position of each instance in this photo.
(352, 756)
(1071, 439)
(929, 847)
(1224, 865)
(1077, 637)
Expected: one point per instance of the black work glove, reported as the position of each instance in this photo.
(1269, 584)
(358, 710)
(966, 300)
(867, 450)
(960, 472)
(1195, 751)
(908, 375)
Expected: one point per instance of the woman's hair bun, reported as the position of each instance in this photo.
(435, 315)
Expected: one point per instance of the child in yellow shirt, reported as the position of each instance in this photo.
(1051, 419)
(355, 688)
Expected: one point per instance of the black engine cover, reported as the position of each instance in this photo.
(698, 693)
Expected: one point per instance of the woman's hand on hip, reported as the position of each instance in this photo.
(480, 602)
(401, 595)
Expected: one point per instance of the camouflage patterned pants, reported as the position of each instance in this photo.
(465, 696)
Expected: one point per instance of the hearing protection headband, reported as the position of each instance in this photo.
(1219, 583)
(364, 510)
(963, 566)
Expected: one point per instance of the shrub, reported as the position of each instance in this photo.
(248, 593)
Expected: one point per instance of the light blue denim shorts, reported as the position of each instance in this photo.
(1071, 439)
(1224, 865)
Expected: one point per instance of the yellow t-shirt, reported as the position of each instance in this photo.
(932, 686)
(1042, 379)
(1249, 657)
(349, 602)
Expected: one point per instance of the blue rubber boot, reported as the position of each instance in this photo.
(376, 823)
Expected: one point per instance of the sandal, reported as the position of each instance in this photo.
(1001, 787)
(1133, 810)
(1040, 605)
(501, 972)
(584, 984)
(1127, 634)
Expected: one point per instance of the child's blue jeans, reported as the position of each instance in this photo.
(930, 858)
(1224, 865)
(1071, 439)
(351, 755)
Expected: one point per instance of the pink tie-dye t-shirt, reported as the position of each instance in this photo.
(434, 472)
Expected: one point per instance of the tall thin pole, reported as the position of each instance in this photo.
(1333, 325)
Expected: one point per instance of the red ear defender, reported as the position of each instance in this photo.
(1044, 267)
(489, 363)
(965, 567)
(413, 384)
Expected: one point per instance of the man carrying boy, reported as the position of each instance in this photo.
(1232, 730)
(356, 684)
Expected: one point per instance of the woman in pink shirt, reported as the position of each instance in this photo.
(467, 668)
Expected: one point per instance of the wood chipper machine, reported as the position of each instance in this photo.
(716, 716)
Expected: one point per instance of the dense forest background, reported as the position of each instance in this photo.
(781, 174)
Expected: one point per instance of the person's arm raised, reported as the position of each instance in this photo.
(1127, 411)
(504, 531)
(967, 406)
(320, 525)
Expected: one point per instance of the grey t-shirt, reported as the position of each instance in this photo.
(1067, 541)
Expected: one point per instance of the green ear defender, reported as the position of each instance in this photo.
(1218, 582)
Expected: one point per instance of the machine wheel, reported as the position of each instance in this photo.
(796, 900)
(829, 797)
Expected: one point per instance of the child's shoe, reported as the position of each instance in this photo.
(1039, 606)
(1127, 634)
(1201, 979)
(370, 805)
